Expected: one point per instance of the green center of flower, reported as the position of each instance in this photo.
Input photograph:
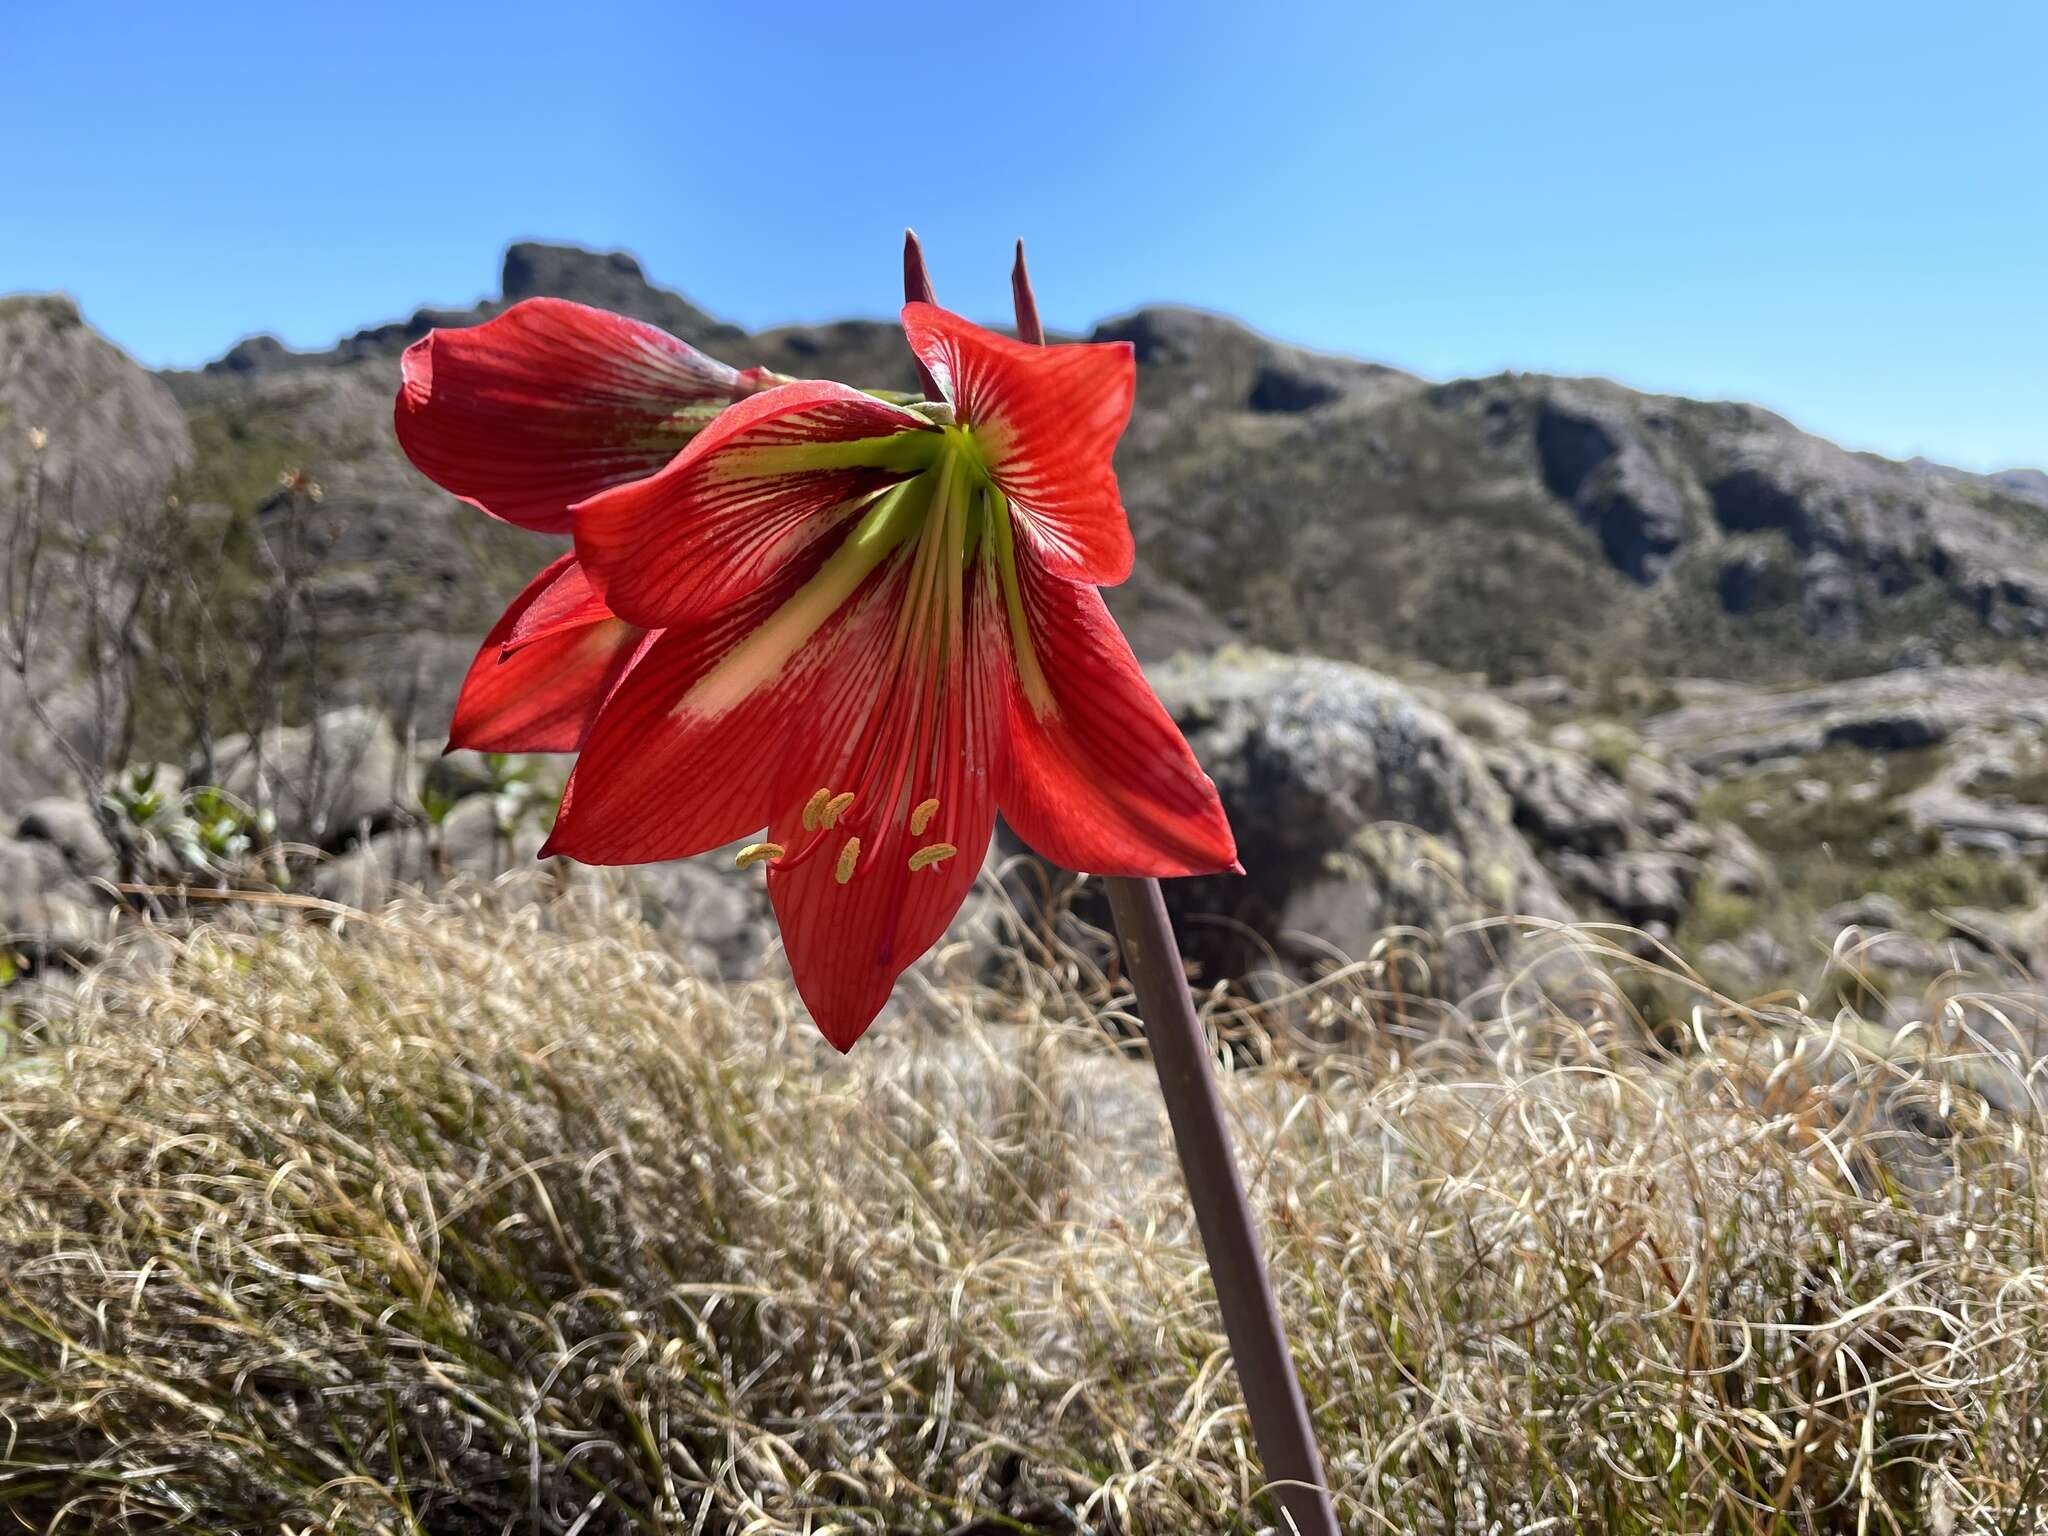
(945, 516)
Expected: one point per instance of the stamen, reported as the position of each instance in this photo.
(849, 856)
(925, 857)
(835, 808)
(815, 808)
(756, 853)
(921, 816)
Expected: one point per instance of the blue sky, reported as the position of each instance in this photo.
(1834, 209)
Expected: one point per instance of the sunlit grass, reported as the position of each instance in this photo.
(484, 1216)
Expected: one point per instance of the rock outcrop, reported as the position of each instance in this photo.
(1359, 810)
(1515, 526)
(1552, 535)
(88, 441)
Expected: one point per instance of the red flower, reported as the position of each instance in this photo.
(551, 402)
(878, 625)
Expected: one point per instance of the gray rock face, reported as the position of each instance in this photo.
(1561, 801)
(1213, 359)
(1626, 847)
(1647, 888)
(1592, 457)
(1862, 530)
(113, 431)
(1727, 725)
(606, 280)
(2030, 483)
(112, 440)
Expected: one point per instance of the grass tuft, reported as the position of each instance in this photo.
(485, 1216)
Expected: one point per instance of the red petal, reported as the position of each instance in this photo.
(765, 482)
(1096, 776)
(542, 696)
(896, 730)
(655, 782)
(568, 602)
(549, 403)
(1048, 419)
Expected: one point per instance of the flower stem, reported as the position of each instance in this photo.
(1180, 1054)
(1251, 1320)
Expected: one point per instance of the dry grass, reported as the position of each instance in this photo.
(484, 1217)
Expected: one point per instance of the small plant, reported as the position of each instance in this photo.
(216, 834)
(133, 795)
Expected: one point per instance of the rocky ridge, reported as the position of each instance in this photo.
(1517, 525)
(1509, 581)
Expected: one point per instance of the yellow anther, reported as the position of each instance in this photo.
(848, 857)
(755, 853)
(927, 856)
(835, 808)
(815, 808)
(921, 816)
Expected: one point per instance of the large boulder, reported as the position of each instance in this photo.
(328, 782)
(1359, 810)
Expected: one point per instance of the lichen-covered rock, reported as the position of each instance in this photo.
(1562, 801)
(1358, 810)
